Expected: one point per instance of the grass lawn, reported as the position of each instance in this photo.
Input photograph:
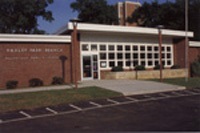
(192, 82)
(12, 102)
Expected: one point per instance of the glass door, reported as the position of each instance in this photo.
(95, 67)
(90, 67)
(87, 65)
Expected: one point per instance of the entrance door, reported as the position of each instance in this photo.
(90, 67)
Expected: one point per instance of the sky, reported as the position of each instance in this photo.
(62, 13)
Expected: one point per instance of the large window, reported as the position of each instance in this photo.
(130, 55)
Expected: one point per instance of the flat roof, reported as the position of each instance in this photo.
(34, 38)
(123, 29)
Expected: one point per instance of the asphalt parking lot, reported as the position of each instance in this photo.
(166, 111)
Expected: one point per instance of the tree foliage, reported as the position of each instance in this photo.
(169, 14)
(95, 11)
(20, 16)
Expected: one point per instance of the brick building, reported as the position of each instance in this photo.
(125, 10)
(99, 48)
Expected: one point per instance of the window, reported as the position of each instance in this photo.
(135, 56)
(111, 47)
(128, 48)
(128, 56)
(111, 64)
(142, 48)
(155, 48)
(120, 63)
(94, 47)
(119, 48)
(119, 56)
(128, 63)
(103, 47)
(85, 47)
(142, 56)
(103, 56)
(111, 56)
(135, 48)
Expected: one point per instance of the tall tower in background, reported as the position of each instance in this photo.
(125, 10)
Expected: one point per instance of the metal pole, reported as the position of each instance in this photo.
(75, 54)
(160, 52)
(186, 41)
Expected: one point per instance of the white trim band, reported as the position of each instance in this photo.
(34, 38)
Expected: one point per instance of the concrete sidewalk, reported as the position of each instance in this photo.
(126, 87)
(132, 87)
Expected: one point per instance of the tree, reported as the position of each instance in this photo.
(169, 14)
(20, 16)
(95, 11)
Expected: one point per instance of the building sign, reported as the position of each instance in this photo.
(30, 53)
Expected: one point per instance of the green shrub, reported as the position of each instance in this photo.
(157, 67)
(175, 67)
(35, 82)
(57, 81)
(117, 69)
(139, 67)
(12, 84)
(195, 69)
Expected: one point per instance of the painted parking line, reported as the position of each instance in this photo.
(25, 114)
(113, 101)
(51, 110)
(132, 99)
(75, 107)
(164, 95)
(190, 92)
(178, 94)
(95, 104)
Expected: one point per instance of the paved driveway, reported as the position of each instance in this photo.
(132, 87)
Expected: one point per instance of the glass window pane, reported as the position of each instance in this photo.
(142, 48)
(156, 56)
(135, 48)
(102, 47)
(150, 63)
(111, 56)
(119, 56)
(168, 49)
(103, 56)
(128, 63)
(85, 47)
(111, 64)
(128, 56)
(135, 56)
(119, 48)
(142, 56)
(169, 62)
(128, 48)
(155, 48)
(149, 56)
(93, 47)
(168, 56)
(111, 47)
(135, 63)
(163, 56)
(120, 63)
(149, 48)
(103, 64)
(163, 48)
(143, 63)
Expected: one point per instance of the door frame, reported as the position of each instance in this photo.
(92, 71)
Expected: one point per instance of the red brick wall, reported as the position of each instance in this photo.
(179, 53)
(24, 61)
(194, 52)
